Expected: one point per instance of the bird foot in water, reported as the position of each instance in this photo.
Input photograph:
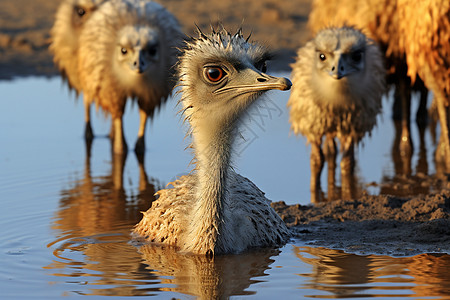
(88, 133)
(139, 148)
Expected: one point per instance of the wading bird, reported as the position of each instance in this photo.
(127, 50)
(65, 33)
(338, 84)
(214, 210)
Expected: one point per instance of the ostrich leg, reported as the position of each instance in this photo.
(88, 133)
(406, 146)
(119, 143)
(330, 152)
(443, 148)
(347, 168)
(140, 143)
(317, 161)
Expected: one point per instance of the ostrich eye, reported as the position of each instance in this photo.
(124, 51)
(214, 74)
(322, 57)
(80, 11)
(152, 51)
(261, 66)
(356, 56)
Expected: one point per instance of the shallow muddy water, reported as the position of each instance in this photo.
(66, 216)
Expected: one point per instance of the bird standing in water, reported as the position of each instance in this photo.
(214, 210)
(339, 80)
(127, 50)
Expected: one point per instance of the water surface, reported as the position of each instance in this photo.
(66, 216)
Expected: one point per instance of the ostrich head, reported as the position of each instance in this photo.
(340, 52)
(137, 50)
(81, 10)
(221, 75)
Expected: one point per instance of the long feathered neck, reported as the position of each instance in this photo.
(212, 142)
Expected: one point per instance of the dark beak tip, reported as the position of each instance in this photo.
(288, 84)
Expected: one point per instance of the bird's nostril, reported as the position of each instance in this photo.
(135, 63)
(261, 79)
(333, 68)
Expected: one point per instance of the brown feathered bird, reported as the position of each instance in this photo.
(65, 34)
(127, 50)
(414, 35)
(215, 210)
(338, 82)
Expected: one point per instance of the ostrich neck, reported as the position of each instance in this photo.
(213, 149)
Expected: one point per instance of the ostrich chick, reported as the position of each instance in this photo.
(127, 50)
(214, 210)
(69, 22)
(338, 84)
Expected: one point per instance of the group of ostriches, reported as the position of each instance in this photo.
(113, 51)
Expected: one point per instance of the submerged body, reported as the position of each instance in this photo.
(215, 210)
(338, 85)
(127, 50)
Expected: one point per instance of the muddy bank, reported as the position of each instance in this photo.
(374, 224)
(25, 29)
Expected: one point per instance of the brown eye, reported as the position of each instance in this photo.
(214, 74)
(124, 51)
(322, 57)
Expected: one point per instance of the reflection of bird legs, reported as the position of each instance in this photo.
(330, 152)
(347, 168)
(317, 161)
(118, 165)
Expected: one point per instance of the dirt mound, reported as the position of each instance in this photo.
(374, 224)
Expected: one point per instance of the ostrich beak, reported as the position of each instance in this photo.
(250, 80)
(138, 63)
(339, 69)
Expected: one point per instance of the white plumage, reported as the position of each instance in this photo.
(338, 84)
(215, 210)
(128, 50)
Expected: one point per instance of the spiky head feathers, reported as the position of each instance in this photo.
(230, 52)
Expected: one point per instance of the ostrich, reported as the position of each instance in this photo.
(338, 84)
(127, 50)
(414, 35)
(425, 40)
(65, 33)
(215, 210)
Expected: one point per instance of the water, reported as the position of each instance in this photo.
(66, 217)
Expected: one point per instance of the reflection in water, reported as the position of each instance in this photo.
(218, 277)
(94, 219)
(349, 275)
(93, 250)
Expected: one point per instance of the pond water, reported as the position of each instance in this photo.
(66, 216)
